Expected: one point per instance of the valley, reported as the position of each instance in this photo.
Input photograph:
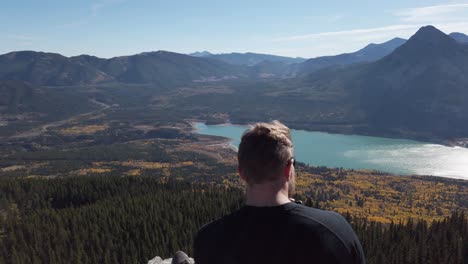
(132, 116)
(120, 123)
(129, 131)
(144, 129)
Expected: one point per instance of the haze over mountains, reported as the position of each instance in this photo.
(161, 67)
(415, 88)
(248, 59)
(169, 68)
(459, 37)
(370, 53)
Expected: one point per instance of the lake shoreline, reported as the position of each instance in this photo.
(362, 152)
(449, 142)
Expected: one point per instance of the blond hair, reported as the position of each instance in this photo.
(264, 150)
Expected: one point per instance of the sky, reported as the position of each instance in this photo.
(296, 28)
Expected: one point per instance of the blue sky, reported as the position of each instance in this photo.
(305, 28)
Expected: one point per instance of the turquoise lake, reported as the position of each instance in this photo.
(398, 156)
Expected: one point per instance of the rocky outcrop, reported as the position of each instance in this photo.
(159, 260)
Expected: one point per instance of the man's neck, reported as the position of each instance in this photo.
(262, 195)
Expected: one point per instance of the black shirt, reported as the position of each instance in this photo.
(289, 233)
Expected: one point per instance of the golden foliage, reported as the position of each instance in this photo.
(145, 164)
(93, 170)
(83, 130)
(135, 172)
(384, 198)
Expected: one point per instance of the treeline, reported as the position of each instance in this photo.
(417, 242)
(133, 219)
(104, 219)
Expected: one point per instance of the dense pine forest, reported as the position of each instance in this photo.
(112, 219)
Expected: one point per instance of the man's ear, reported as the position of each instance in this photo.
(287, 171)
(241, 174)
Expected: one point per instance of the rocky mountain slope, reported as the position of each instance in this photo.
(48, 69)
(161, 67)
(421, 87)
(460, 37)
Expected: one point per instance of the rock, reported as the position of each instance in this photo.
(159, 260)
(156, 260)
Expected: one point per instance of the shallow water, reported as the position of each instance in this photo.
(399, 156)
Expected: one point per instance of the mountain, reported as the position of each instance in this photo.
(370, 53)
(47, 69)
(201, 54)
(420, 88)
(459, 37)
(161, 67)
(89, 60)
(251, 59)
(24, 105)
(164, 68)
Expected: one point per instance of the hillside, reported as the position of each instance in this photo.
(417, 91)
(370, 53)
(47, 69)
(460, 37)
(161, 68)
(26, 107)
(422, 86)
(248, 58)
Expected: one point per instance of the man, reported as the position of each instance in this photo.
(270, 228)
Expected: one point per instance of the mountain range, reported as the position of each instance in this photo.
(172, 69)
(422, 86)
(408, 88)
(370, 53)
(167, 68)
(161, 67)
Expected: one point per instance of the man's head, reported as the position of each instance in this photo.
(266, 154)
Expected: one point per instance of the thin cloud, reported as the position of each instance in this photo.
(333, 18)
(336, 42)
(18, 37)
(449, 16)
(353, 32)
(437, 13)
(26, 43)
(97, 7)
(72, 24)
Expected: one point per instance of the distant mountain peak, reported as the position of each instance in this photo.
(428, 40)
(430, 34)
(158, 52)
(396, 40)
(392, 44)
(459, 37)
(427, 45)
(201, 54)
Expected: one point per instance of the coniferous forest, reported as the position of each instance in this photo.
(132, 219)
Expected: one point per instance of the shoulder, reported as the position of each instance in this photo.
(328, 219)
(332, 225)
(210, 237)
(209, 231)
